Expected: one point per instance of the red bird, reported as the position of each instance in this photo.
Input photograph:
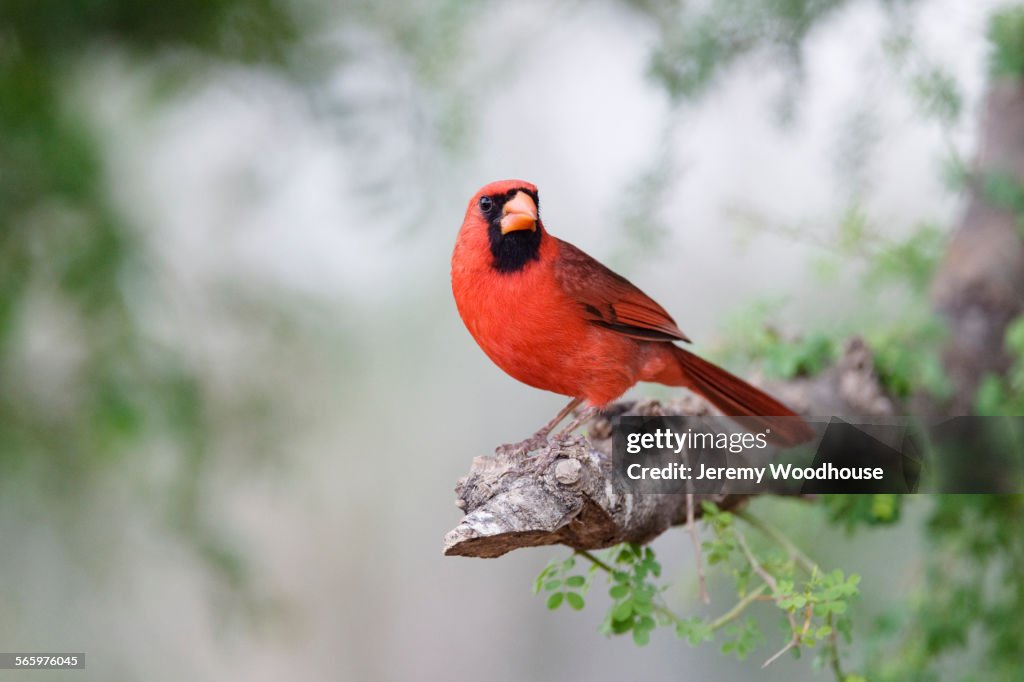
(554, 318)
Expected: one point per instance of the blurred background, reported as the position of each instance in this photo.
(235, 394)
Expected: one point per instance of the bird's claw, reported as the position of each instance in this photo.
(547, 451)
(540, 462)
(523, 447)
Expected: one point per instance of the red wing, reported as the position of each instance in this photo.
(610, 300)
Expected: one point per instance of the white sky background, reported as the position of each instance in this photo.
(243, 185)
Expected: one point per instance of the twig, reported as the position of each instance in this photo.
(740, 606)
(833, 657)
(754, 563)
(774, 657)
(809, 613)
(692, 527)
(590, 556)
(774, 585)
(794, 552)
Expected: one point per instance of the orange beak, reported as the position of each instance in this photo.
(520, 213)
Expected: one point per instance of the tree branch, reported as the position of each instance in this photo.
(573, 502)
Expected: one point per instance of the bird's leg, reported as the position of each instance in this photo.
(540, 439)
(581, 419)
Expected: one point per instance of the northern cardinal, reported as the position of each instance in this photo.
(555, 318)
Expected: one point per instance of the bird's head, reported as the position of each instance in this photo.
(509, 212)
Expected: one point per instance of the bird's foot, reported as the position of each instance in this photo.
(540, 462)
(524, 447)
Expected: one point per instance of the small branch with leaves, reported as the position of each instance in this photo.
(815, 603)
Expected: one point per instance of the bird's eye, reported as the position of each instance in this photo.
(486, 204)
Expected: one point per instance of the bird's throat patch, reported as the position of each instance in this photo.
(514, 250)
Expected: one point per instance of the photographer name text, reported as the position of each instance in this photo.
(676, 471)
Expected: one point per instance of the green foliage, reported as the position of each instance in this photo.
(1004, 394)
(753, 339)
(971, 593)
(1006, 35)
(246, 30)
(66, 249)
(906, 353)
(909, 262)
(938, 95)
(815, 604)
(562, 585)
(742, 638)
(633, 593)
(701, 41)
(1004, 190)
(907, 358)
(971, 602)
(806, 356)
(854, 511)
(890, 266)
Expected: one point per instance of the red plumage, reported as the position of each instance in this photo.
(554, 318)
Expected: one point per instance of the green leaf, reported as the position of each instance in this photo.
(618, 591)
(575, 600)
(1006, 35)
(621, 626)
(694, 631)
(622, 611)
(641, 636)
(555, 600)
(1013, 339)
(576, 581)
(544, 574)
(710, 508)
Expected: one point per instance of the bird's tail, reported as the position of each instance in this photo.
(736, 398)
